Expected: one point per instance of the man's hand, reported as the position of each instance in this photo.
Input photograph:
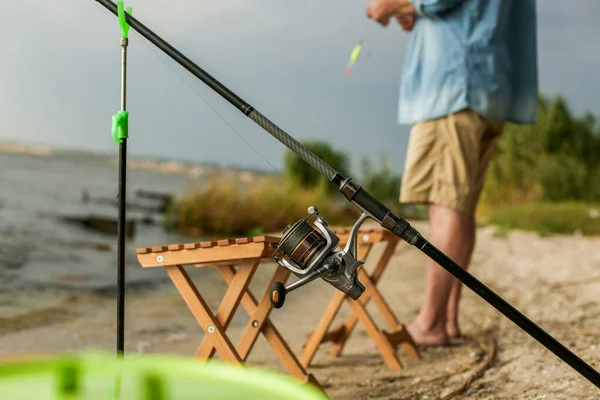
(382, 10)
(406, 21)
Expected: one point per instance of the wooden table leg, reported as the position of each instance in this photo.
(316, 337)
(381, 340)
(274, 338)
(373, 293)
(231, 300)
(398, 335)
(386, 342)
(259, 315)
(202, 313)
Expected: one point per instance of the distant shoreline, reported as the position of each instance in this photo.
(137, 163)
(20, 148)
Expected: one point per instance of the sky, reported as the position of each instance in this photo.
(60, 76)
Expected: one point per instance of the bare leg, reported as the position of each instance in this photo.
(451, 232)
(452, 328)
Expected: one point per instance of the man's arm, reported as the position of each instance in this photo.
(433, 8)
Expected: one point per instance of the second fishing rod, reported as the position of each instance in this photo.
(325, 264)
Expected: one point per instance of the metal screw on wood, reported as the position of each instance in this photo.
(255, 324)
(159, 258)
(211, 329)
(365, 238)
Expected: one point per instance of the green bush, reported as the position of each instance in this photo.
(382, 184)
(555, 160)
(223, 207)
(563, 178)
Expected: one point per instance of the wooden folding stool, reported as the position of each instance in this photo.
(386, 342)
(248, 254)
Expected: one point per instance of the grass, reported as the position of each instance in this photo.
(548, 218)
(224, 207)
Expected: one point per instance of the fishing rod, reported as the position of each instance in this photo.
(306, 249)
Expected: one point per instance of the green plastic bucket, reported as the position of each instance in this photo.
(92, 376)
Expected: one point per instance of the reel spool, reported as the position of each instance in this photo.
(307, 249)
(305, 244)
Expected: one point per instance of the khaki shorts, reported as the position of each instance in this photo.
(447, 160)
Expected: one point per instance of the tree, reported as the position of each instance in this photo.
(300, 172)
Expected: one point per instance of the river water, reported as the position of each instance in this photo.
(39, 249)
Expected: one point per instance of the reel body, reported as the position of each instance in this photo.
(307, 249)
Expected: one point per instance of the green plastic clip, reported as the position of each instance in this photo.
(122, 20)
(120, 126)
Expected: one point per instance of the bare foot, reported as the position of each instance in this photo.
(436, 336)
(433, 337)
(452, 330)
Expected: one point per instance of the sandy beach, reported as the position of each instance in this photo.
(555, 281)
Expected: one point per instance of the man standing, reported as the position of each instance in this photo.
(470, 67)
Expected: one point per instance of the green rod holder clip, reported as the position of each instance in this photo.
(120, 126)
(122, 20)
(120, 121)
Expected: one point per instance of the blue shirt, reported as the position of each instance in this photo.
(478, 54)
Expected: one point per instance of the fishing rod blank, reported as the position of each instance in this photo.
(368, 204)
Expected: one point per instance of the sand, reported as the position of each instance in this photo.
(555, 281)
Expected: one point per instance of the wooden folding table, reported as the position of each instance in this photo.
(247, 254)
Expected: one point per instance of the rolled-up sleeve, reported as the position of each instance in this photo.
(434, 8)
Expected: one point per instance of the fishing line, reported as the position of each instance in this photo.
(205, 101)
(196, 93)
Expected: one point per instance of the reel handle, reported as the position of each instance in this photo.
(279, 291)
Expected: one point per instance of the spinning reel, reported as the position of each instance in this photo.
(307, 249)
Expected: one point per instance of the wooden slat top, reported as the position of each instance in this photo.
(225, 250)
(268, 240)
